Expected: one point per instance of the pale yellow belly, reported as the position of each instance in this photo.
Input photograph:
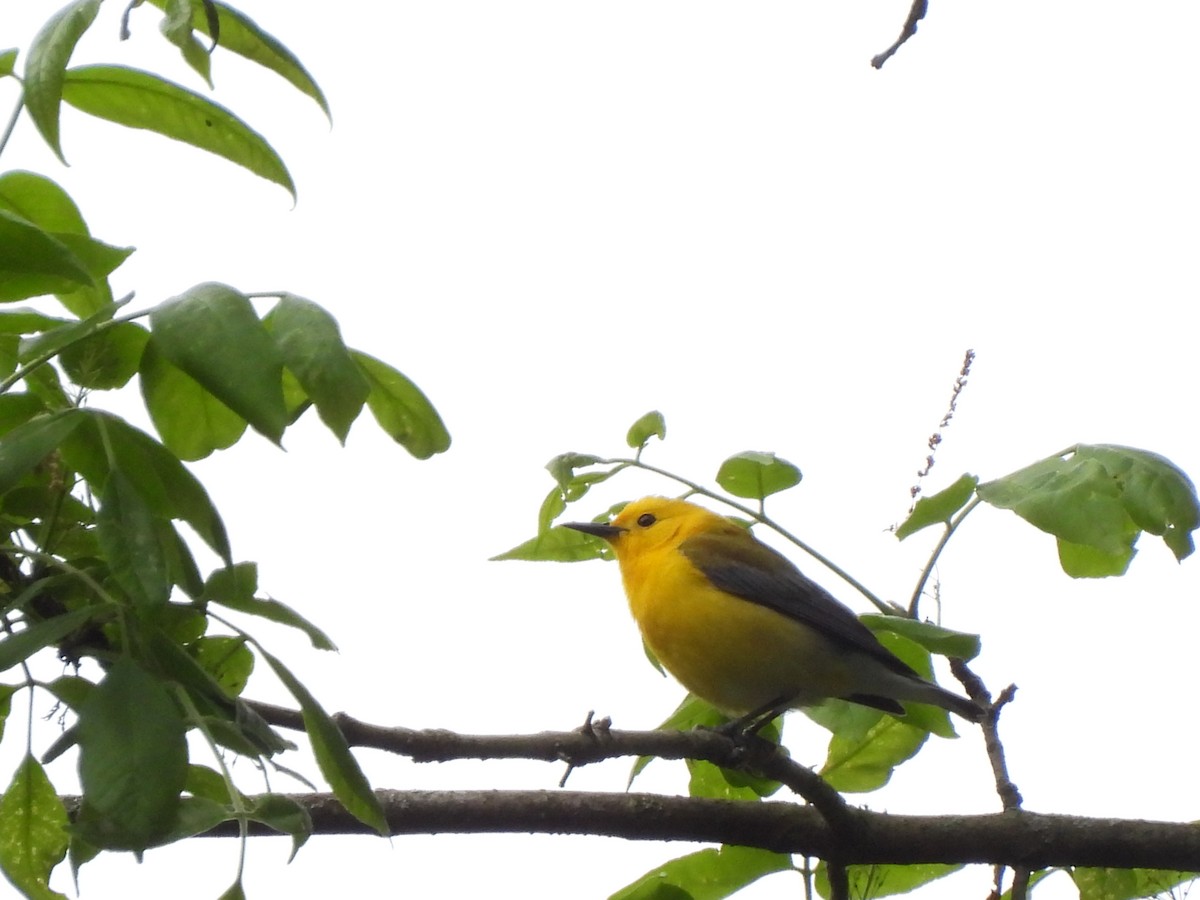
(737, 655)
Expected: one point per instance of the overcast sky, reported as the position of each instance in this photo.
(555, 216)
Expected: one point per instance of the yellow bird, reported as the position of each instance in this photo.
(739, 626)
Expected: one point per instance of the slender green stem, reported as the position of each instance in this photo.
(760, 516)
(236, 800)
(12, 122)
(43, 358)
(951, 526)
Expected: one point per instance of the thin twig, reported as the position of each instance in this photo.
(915, 15)
(1010, 797)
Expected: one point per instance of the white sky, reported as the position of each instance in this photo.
(555, 216)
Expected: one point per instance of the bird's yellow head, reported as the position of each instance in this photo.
(653, 522)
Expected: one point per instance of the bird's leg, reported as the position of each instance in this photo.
(752, 722)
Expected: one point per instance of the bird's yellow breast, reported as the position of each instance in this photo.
(735, 654)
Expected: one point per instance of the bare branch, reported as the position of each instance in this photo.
(1017, 838)
(915, 15)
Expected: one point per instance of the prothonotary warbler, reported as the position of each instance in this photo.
(739, 626)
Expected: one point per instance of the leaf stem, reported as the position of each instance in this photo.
(12, 122)
(953, 524)
(762, 517)
(44, 358)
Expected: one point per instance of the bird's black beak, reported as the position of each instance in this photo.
(596, 529)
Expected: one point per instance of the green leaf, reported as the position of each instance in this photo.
(194, 816)
(34, 262)
(865, 764)
(234, 587)
(650, 425)
(140, 99)
(190, 420)
(37, 199)
(241, 35)
(286, 816)
(559, 545)
(27, 445)
(710, 874)
(6, 695)
(402, 410)
(17, 409)
(1100, 497)
(1157, 494)
(756, 475)
(227, 659)
(107, 360)
(8, 62)
(131, 541)
(176, 27)
(562, 469)
(934, 638)
(334, 758)
(212, 333)
(939, 508)
(311, 345)
(1127, 884)
(27, 321)
(163, 482)
(33, 831)
(885, 880)
(46, 61)
(53, 340)
(43, 203)
(132, 760)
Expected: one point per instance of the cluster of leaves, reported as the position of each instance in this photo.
(92, 561)
(1095, 500)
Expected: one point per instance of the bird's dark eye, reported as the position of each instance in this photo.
(646, 520)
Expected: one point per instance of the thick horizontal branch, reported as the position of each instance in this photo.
(1017, 838)
(829, 827)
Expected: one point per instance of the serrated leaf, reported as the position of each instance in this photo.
(710, 874)
(650, 425)
(138, 99)
(212, 333)
(46, 62)
(934, 638)
(189, 419)
(939, 508)
(33, 831)
(756, 475)
(401, 410)
(885, 880)
(558, 545)
(336, 762)
(311, 345)
(132, 761)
